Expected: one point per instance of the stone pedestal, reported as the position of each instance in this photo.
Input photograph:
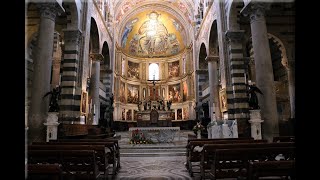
(52, 126)
(209, 132)
(199, 134)
(255, 121)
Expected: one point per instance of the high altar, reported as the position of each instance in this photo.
(154, 118)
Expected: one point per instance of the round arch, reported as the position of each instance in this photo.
(233, 12)
(94, 46)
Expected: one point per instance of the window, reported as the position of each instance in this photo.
(153, 71)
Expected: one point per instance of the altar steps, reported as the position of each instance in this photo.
(149, 150)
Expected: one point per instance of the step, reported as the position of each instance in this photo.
(149, 154)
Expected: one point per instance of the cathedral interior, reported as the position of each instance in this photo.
(109, 63)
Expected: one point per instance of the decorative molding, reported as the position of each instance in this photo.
(212, 58)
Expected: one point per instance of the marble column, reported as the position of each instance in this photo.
(290, 66)
(95, 79)
(263, 67)
(214, 85)
(41, 75)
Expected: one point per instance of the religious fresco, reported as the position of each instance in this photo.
(133, 70)
(133, 94)
(173, 69)
(174, 93)
(122, 92)
(173, 115)
(135, 115)
(123, 117)
(129, 116)
(184, 90)
(153, 34)
(185, 113)
(179, 114)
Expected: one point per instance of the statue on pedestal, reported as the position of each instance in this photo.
(55, 96)
(253, 98)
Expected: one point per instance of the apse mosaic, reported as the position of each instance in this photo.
(173, 69)
(153, 34)
(133, 94)
(133, 70)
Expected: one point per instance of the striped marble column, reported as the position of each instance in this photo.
(42, 72)
(70, 93)
(94, 86)
(240, 109)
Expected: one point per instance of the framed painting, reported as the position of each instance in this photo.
(84, 102)
(223, 100)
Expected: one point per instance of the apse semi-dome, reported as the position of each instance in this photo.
(153, 33)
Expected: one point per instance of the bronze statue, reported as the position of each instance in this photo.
(253, 98)
(55, 96)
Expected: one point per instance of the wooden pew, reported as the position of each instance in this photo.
(271, 169)
(284, 139)
(44, 172)
(116, 158)
(208, 153)
(193, 156)
(76, 164)
(234, 163)
(102, 155)
(108, 150)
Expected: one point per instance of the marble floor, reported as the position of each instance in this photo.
(163, 167)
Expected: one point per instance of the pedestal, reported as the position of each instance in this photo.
(199, 134)
(255, 121)
(52, 126)
(209, 132)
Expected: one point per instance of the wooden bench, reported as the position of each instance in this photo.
(193, 156)
(271, 169)
(208, 154)
(102, 155)
(115, 148)
(76, 164)
(44, 172)
(284, 139)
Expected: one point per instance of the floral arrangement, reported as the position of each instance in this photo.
(137, 137)
(198, 127)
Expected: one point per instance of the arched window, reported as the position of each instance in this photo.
(153, 71)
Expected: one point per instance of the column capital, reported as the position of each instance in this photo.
(235, 35)
(212, 58)
(256, 10)
(72, 35)
(49, 10)
(96, 57)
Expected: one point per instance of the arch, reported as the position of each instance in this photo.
(233, 13)
(154, 71)
(202, 57)
(106, 54)
(276, 40)
(94, 46)
(72, 9)
(213, 39)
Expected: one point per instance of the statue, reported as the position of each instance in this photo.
(169, 104)
(55, 96)
(253, 98)
(139, 105)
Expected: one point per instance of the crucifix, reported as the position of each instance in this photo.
(154, 86)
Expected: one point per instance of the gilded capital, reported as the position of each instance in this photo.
(96, 57)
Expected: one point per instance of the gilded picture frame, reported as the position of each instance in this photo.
(223, 100)
(84, 102)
